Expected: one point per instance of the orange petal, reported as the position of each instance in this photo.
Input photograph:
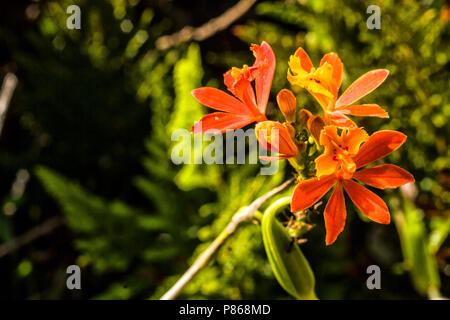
(265, 65)
(305, 61)
(329, 134)
(324, 101)
(365, 110)
(221, 122)
(287, 104)
(219, 100)
(386, 176)
(368, 202)
(362, 87)
(308, 192)
(335, 214)
(241, 89)
(352, 139)
(325, 164)
(229, 80)
(275, 137)
(328, 137)
(338, 119)
(379, 145)
(338, 68)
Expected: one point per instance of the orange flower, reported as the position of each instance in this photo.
(246, 107)
(324, 83)
(344, 155)
(339, 150)
(276, 137)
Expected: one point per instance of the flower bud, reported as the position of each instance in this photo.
(275, 137)
(315, 125)
(287, 104)
(303, 116)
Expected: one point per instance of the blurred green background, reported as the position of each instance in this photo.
(85, 149)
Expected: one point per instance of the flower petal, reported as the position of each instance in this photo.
(386, 176)
(241, 89)
(335, 214)
(219, 100)
(338, 68)
(323, 100)
(221, 122)
(362, 87)
(365, 110)
(368, 202)
(265, 64)
(338, 119)
(305, 61)
(308, 192)
(379, 145)
(353, 138)
(325, 164)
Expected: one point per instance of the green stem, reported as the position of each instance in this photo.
(294, 163)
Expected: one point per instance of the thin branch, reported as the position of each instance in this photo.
(206, 30)
(243, 215)
(38, 231)
(8, 87)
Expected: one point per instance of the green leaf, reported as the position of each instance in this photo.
(417, 253)
(288, 263)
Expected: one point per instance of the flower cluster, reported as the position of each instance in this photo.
(326, 150)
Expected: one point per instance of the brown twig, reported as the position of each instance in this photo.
(38, 231)
(243, 215)
(206, 30)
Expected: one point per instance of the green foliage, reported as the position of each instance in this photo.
(417, 249)
(187, 75)
(106, 229)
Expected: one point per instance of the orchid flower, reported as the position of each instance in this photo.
(245, 106)
(337, 167)
(324, 83)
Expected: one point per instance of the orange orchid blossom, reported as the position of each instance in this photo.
(324, 83)
(337, 167)
(245, 107)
